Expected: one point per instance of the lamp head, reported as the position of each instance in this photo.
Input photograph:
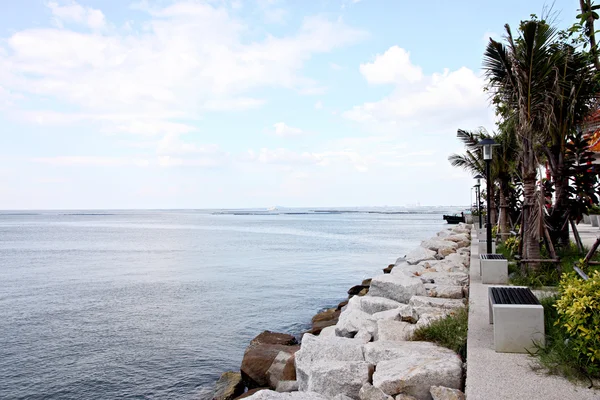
(487, 145)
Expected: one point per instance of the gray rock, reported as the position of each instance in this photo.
(445, 278)
(352, 320)
(408, 270)
(369, 392)
(403, 396)
(364, 336)
(272, 395)
(427, 319)
(445, 233)
(342, 397)
(376, 352)
(394, 330)
(314, 350)
(328, 331)
(397, 287)
(436, 244)
(415, 375)
(403, 313)
(446, 251)
(287, 386)
(420, 254)
(425, 301)
(444, 291)
(339, 377)
(461, 240)
(373, 304)
(444, 393)
(458, 258)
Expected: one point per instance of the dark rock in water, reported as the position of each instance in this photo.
(363, 292)
(229, 386)
(342, 305)
(324, 319)
(261, 353)
(251, 392)
(367, 282)
(268, 337)
(354, 290)
(388, 269)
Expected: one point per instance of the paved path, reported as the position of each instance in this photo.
(491, 375)
(588, 234)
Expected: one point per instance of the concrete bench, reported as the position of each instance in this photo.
(493, 269)
(518, 319)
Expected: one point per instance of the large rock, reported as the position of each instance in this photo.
(420, 254)
(416, 375)
(376, 352)
(261, 353)
(403, 313)
(436, 244)
(229, 386)
(251, 393)
(352, 320)
(444, 393)
(283, 368)
(373, 304)
(461, 240)
(315, 350)
(394, 330)
(457, 258)
(287, 386)
(331, 378)
(354, 290)
(398, 287)
(403, 396)
(271, 395)
(445, 278)
(327, 332)
(370, 392)
(324, 319)
(425, 301)
(444, 291)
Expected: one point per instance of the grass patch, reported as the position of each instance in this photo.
(557, 356)
(450, 332)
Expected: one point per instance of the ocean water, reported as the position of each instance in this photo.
(157, 304)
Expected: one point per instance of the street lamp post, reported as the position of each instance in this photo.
(478, 191)
(487, 146)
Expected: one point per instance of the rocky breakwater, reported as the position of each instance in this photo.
(362, 349)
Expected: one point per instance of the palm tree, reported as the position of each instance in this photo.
(521, 75)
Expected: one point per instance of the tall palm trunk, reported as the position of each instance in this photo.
(503, 218)
(531, 239)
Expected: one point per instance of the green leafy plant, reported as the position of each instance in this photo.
(450, 332)
(512, 244)
(579, 314)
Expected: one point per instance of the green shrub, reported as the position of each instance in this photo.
(450, 332)
(578, 311)
(512, 244)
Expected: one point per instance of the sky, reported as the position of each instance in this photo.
(234, 104)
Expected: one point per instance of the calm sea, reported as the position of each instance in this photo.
(156, 304)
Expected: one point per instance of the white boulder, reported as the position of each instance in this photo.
(415, 375)
(420, 254)
(394, 330)
(444, 291)
(373, 304)
(287, 386)
(369, 392)
(315, 350)
(398, 287)
(376, 352)
(272, 395)
(331, 378)
(444, 393)
(426, 301)
(352, 320)
(436, 243)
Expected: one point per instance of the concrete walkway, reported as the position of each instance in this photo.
(588, 234)
(491, 375)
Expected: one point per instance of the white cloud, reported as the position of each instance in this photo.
(93, 161)
(283, 130)
(393, 66)
(172, 144)
(74, 12)
(190, 57)
(420, 104)
(335, 66)
(280, 156)
(319, 105)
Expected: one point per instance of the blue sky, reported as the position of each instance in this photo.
(232, 103)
